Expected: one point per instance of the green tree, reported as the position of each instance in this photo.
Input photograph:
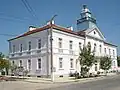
(105, 63)
(4, 63)
(86, 59)
(118, 61)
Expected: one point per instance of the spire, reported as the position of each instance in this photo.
(85, 12)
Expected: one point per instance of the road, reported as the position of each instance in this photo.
(111, 83)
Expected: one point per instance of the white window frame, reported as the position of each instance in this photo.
(21, 47)
(60, 63)
(39, 44)
(14, 49)
(60, 43)
(20, 63)
(29, 65)
(38, 64)
(71, 63)
(29, 45)
(71, 45)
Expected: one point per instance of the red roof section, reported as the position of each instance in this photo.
(44, 28)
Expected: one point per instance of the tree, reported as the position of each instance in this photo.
(86, 59)
(105, 63)
(4, 63)
(118, 61)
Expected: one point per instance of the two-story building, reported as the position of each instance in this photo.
(32, 50)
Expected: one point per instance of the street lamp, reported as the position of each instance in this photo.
(51, 44)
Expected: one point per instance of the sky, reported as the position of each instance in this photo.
(15, 18)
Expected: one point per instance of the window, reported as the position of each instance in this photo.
(94, 32)
(39, 44)
(95, 67)
(20, 62)
(29, 64)
(39, 63)
(114, 63)
(70, 45)
(95, 47)
(29, 46)
(13, 63)
(71, 63)
(100, 48)
(60, 43)
(13, 48)
(113, 52)
(109, 52)
(10, 50)
(105, 50)
(89, 44)
(21, 48)
(60, 62)
(79, 44)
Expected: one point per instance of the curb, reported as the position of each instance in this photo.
(71, 81)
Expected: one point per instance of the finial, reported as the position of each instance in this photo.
(84, 6)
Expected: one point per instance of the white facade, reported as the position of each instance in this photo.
(32, 49)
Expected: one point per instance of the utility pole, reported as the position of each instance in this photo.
(51, 44)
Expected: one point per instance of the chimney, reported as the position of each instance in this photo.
(71, 28)
(31, 28)
(53, 22)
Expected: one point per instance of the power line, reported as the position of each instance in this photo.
(29, 8)
(12, 17)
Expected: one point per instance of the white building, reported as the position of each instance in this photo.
(32, 50)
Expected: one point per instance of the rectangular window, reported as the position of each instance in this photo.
(95, 67)
(109, 52)
(29, 64)
(39, 63)
(95, 47)
(29, 46)
(79, 45)
(39, 44)
(60, 62)
(10, 50)
(105, 50)
(70, 45)
(100, 48)
(13, 62)
(20, 63)
(21, 48)
(60, 43)
(113, 52)
(71, 63)
(13, 48)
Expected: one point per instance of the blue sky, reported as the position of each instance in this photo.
(15, 18)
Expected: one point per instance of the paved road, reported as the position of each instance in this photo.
(106, 84)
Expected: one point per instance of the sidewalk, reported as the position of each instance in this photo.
(66, 79)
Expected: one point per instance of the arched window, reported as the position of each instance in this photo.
(89, 44)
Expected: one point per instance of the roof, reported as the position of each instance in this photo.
(80, 33)
(110, 44)
(44, 28)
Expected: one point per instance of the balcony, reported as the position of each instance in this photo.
(60, 50)
(20, 54)
(28, 52)
(12, 55)
(38, 51)
(71, 52)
